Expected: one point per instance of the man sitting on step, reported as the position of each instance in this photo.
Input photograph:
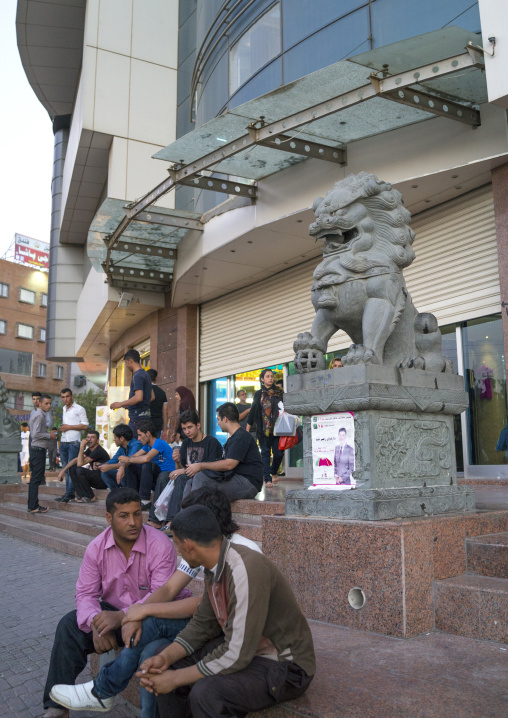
(145, 623)
(84, 471)
(113, 471)
(121, 566)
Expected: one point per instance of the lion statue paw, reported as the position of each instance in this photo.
(358, 354)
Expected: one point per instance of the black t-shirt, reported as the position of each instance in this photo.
(98, 456)
(140, 380)
(242, 447)
(156, 407)
(195, 452)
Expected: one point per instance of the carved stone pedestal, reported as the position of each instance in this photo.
(404, 442)
(9, 463)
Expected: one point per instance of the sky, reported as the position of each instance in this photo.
(26, 144)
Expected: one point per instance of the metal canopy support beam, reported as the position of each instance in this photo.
(435, 105)
(301, 147)
(147, 275)
(166, 220)
(125, 284)
(214, 184)
(139, 248)
(427, 72)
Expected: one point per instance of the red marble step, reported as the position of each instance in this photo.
(258, 508)
(472, 606)
(488, 555)
(77, 523)
(46, 535)
(58, 489)
(95, 509)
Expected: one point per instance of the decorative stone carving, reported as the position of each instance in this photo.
(10, 442)
(359, 286)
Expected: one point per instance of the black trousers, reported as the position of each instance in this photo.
(84, 480)
(262, 684)
(37, 468)
(71, 649)
(142, 478)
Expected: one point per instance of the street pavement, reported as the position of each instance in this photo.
(36, 589)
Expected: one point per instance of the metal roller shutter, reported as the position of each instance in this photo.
(455, 276)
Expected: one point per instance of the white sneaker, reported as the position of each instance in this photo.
(80, 698)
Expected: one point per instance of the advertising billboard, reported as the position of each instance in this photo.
(31, 251)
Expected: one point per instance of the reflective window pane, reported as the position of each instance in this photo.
(449, 347)
(217, 395)
(13, 362)
(255, 48)
(485, 377)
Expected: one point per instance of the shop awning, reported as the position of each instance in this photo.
(144, 256)
(317, 116)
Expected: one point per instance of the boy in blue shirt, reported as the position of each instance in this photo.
(153, 460)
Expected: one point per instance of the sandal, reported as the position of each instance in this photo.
(39, 510)
(85, 500)
(167, 530)
(268, 485)
(155, 525)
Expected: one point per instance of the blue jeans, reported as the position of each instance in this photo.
(270, 445)
(114, 677)
(109, 478)
(68, 451)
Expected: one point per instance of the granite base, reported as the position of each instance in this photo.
(380, 504)
(393, 564)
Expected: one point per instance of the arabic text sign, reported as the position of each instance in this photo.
(31, 251)
(333, 453)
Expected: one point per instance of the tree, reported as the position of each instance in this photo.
(89, 400)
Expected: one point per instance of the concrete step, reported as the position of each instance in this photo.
(58, 489)
(77, 523)
(258, 508)
(472, 606)
(42, 533)
(488, 555)
(96, 509)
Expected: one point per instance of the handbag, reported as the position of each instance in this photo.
(162, 504)
(285, 425)
(289, 442)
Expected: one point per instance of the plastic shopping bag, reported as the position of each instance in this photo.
(162, 504)
(289, 442)
(285, 425)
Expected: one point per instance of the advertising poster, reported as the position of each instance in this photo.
(106, 420)
(333, 450)
(31, 251)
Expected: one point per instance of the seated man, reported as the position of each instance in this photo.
(196, 446)
(258, 638)
(121, 566)
(112, 471)
(154, 459)
(144, 625)
(84, 471)
(240, 472)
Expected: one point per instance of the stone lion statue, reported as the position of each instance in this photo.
(359, 286)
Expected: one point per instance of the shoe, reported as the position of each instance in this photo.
(85, 500)
(80, 698)
(56, 713)
(147, 506)
(39, 510)
(63, 499)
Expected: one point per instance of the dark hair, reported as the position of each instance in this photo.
(279, 381)
(123, 431)
(189, 416)
(46, 396)
(218, 503)
(152, 373)
(239, 390)
(25, 423)
(262, 375)
(93, 431)
(342, 428)
(198, 524)
(228, 411)
(146, 426)
(36, 393)
(119, 497)
(187, 400)
(132, 354)
(54, 428)
(66, 391)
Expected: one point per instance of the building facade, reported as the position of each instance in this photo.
(209, 273)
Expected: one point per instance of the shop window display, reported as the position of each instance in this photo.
(217, 395)
(485, 377)
(449, 348)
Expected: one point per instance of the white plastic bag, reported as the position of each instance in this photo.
(285, 425)
(162, 504)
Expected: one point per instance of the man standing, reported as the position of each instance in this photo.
(140, 393)
(153, 460)
(40, 442)
(158, 407)
(113, 471)
(240, 472)
(74, 421)
(344, 460)
(84, 469)
(248, 645)
(121, 566)
(243, 408)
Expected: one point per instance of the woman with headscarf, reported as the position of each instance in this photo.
(186, 400)
(264, 413)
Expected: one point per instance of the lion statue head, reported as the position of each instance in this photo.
(364, 225)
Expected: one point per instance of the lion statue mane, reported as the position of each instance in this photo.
(359, 286)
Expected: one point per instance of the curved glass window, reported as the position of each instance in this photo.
(257, 46)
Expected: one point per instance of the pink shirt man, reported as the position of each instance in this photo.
(106, 575)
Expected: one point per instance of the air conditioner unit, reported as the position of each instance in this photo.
(80, 380)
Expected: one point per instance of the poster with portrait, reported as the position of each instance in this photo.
(333, 450)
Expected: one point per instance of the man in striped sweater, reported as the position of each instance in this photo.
(248, 645)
